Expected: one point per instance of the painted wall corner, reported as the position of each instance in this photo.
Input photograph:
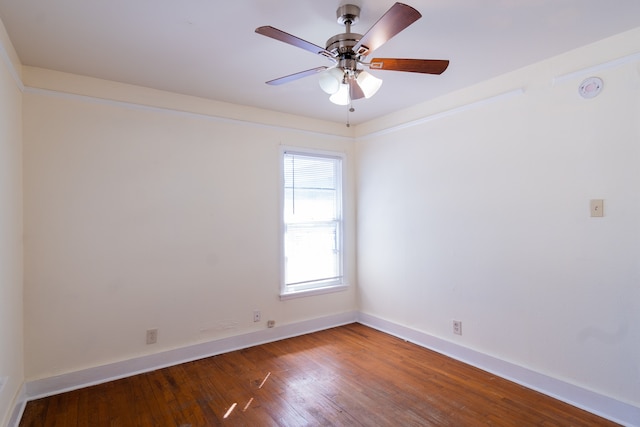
(10, 56)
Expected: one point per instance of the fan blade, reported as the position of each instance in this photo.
(396, 19)
(295, 76)
(426, 66)
(355, 92)
(277, 34)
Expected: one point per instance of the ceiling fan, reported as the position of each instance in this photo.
(344, 81)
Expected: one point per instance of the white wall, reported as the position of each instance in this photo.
(11, 330)
(483, 216)
(139, 218)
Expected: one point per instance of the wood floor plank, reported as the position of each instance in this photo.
(346, 376)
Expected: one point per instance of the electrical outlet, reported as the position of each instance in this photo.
(152, 336)
(256, 315)
(457, 327)
(271, 323)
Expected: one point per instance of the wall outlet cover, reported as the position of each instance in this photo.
(457, 327)
(152, 336)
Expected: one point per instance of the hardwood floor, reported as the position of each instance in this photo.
(347, 376)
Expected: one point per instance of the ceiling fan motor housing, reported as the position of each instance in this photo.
(341, 45)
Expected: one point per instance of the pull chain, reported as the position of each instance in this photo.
(350, 110)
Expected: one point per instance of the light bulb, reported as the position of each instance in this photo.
(331, 79)
(341, 97)
(368, 83)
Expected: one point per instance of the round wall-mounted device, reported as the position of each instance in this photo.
(591, 87)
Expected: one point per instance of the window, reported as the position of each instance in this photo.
(312, 219)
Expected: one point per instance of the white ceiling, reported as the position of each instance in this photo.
(209, 49)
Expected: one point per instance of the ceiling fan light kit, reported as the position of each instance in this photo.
(331, 79)
(368, 83)
(341, 97)
(345, 81)
(334, 81)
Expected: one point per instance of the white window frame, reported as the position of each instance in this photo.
(286, 291)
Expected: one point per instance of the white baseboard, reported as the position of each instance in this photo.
(595, 403)
(18, 409)
(598, 404)
(113, 371)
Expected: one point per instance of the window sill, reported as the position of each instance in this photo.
(312, 292)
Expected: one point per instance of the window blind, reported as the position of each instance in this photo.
(312, 218)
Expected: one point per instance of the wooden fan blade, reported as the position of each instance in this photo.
(295, 76)
(426, 66)
(396, 19)
(277, 34)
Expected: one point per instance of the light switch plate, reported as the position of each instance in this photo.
(597, 207)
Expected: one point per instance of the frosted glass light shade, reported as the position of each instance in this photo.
(331, 79)
(341, 97)
(368, 83)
